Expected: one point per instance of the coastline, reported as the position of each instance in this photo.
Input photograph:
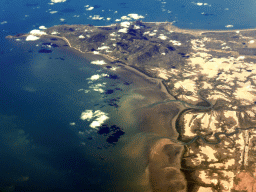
(160, 85)
(91, 56)
(197, 32)
(190, 31)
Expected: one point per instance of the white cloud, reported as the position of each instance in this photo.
(148, 33)
(42, 27)
(61, 19)
(99, 62)
(32, 38)
(126, 18)
(37, 32)
(114, 68)
(123, 30)
(97, 87)
(136, 27)
(90, 8)
(130, 17)
(55, 33)
(97, 77)
(81, 37)
(125, 24)
(99, 117)
(175, 42)
(103, 47)
(58, 1)
(201, 4)
(87, 115)
(53, 12)
(4, 22)
(135, 16)
(84, 90)
(96, 52)
(96, 17)
(112, 34)
(228, 26)
(161, 36)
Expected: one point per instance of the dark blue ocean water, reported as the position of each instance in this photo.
(23, 16)
(41, 149)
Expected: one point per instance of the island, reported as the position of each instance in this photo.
(211, 74)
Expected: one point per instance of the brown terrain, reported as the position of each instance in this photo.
(211, 73)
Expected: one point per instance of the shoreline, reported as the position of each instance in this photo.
(197, 32)
(167, 25)
(112, 59)
(170, 26)
(191, 31)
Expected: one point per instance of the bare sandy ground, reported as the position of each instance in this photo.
(164, 167)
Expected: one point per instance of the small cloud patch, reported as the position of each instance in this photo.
(96, 17)
(98, 62)
(32, 38)
(123, 30)
(37, 32)
(201, 4)
(81, 37)
(89, 8)
(58, 1)
(98, 117)
(42, 27)
(97, 77)
(229, 26)
(53, 12)
(135, 16)
(162, 36)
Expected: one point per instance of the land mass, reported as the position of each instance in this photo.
(212, 73)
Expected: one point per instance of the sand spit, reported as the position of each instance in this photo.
(164, 167)
(198, 32)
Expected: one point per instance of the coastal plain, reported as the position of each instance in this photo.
(206, 114)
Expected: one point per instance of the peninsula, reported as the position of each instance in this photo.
(211, 73)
